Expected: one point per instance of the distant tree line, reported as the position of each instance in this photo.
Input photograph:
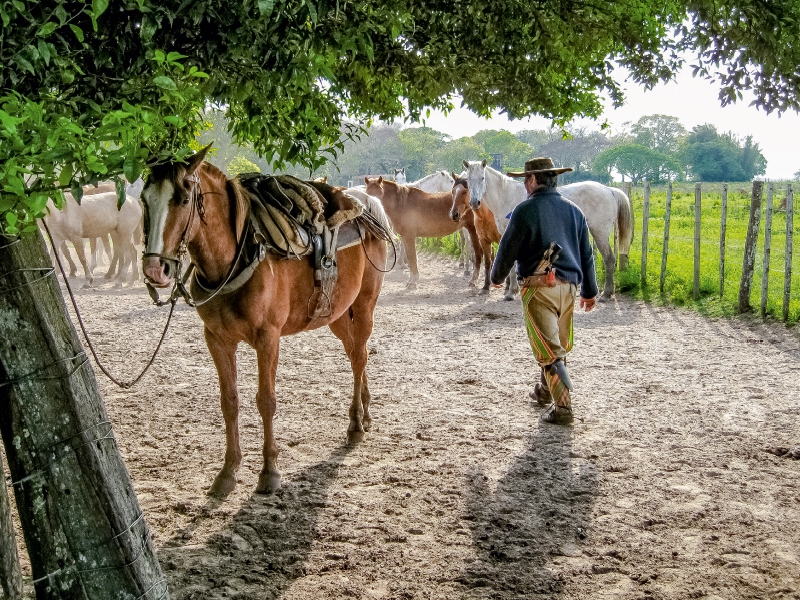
(656, 148)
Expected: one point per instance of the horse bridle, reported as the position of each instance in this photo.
(180, 288)
(176, 262)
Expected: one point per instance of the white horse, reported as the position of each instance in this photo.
(400, 176)
(602, 206)
(440, 181)
(97, 216)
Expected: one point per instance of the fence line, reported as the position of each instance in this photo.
(754, 263)
(767, 245)
(665, 246)
(787, 278)
(696, 283)
(723, 224)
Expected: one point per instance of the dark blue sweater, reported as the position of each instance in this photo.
(545, 217)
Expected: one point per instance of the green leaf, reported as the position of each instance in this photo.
(9, 122)
(30, 228)
(65, 176)
(14, 185)
(20, 6)
(99, 7)
(119, 184)
(266, 7)
(165, 82)
(159, 56)
(77, 31)
(11, 218)
(173, 120)
(47, 29)
(173, 56)
(132, 168)
(61, 14)
(312, 11)
(77, 191)
(44, 51)
(24, 64)
(199, 74)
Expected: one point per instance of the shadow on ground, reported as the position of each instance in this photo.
(539, 513)
(262, 549)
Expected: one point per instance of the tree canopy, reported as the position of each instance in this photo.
(91, 89)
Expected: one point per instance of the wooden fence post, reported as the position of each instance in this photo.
(722, 229)
(84, 530)
(645, 223)
(697, 201)
(767, 244)
(10, 575)
(750, 244)
(665, 248)
(787, 276)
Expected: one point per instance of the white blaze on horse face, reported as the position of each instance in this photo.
(156, 199)
(476, 181)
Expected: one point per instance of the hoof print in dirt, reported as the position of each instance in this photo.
(785, 452)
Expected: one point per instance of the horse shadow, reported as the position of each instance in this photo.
(537, 516)
(263, 547)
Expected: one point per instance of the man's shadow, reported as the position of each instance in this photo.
(539, 512)
(264, 546)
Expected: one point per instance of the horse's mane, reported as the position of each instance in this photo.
(460, 181)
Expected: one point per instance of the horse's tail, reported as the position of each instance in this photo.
(625, 226)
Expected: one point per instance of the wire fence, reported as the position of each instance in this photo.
(696, 248)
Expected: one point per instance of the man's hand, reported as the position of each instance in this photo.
(588, 303)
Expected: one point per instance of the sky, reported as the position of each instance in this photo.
(693, 100)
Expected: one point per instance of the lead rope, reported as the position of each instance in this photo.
(123, 384)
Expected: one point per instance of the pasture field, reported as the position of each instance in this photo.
(662, 489)
(680, 260)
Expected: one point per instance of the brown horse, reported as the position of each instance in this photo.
(196, 207)
(415, 213)
(485, 225)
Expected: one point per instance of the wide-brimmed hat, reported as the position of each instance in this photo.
(540, 165)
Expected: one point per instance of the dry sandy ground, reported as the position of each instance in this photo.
(661, 489)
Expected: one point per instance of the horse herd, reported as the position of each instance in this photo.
(477, 204)
(194, 208)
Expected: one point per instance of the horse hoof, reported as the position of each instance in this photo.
(484, 291)
(222, 486)
(355, 437)
(508, 298)
(603, 298)
(467, 272)
(268, 483)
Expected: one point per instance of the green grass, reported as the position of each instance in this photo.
(678, 283)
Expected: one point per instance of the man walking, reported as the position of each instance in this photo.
(549, 240)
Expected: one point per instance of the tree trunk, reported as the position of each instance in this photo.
(84, 530)
(10, 575)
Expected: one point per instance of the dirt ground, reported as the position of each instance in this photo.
(661, 489)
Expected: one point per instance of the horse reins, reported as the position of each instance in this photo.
(123, 384)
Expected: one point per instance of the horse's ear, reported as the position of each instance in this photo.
(483, 164)
(380, 180)
(403, 170)
(196, 160)
(466, 164)
(453, 175)
(366, 180)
